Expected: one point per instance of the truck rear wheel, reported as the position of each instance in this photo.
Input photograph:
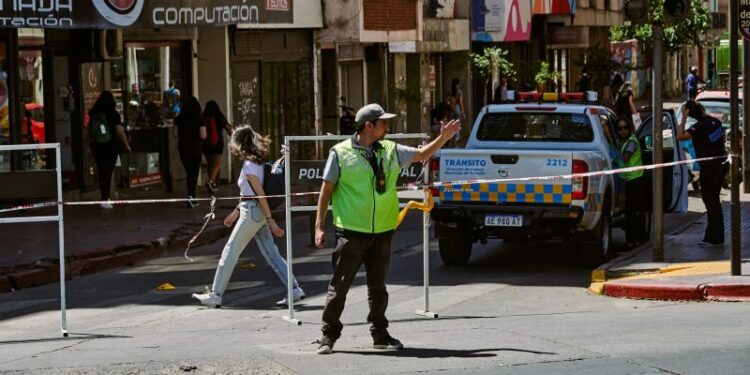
(596, 245)
(455, 251)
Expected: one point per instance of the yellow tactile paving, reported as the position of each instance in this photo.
(685, 269)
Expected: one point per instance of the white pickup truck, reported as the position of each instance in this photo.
(539, 139)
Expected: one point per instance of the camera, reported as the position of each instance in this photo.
(380, 182)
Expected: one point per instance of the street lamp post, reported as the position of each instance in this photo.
(657, 116)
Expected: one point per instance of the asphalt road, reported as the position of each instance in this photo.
(515, 309)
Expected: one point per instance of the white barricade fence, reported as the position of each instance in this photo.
(52, 218)
(289, 209)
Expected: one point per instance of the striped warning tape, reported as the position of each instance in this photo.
(407, 187)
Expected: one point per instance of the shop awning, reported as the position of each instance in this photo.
(510, 20)
(142, 14)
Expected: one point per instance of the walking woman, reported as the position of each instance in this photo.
(631, 155)
(190, 135)
(458, 100)
(457, 107)
(213, 145)
(107, 139)
(255, 219)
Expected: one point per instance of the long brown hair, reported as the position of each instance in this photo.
(247, 144)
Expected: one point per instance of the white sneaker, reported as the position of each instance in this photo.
(106, 205)
(208, 298)
(297, 293)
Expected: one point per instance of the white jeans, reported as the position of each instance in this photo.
(251, 223)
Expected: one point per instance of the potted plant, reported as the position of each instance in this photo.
(544, 75)
(492, 60)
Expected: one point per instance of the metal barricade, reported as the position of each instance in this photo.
(52, 218)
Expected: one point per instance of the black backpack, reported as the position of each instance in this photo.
(273, 183)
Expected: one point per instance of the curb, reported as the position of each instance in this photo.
(47, 271)
(727, 292)
(603, 273)
(655, 291)
(679, 292)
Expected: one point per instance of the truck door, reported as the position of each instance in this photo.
(675, 177)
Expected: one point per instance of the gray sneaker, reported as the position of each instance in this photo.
(387, 342)
(325, 345)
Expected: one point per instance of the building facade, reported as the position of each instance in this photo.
(55, 60)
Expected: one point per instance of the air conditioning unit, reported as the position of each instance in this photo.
(110, 44)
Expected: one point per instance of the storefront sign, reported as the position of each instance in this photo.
(510, 20)
(109, 14)
(562, 37)
(147, 179)
(501, 20)
(744, 22)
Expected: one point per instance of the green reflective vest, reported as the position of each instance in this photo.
(357, 206)
(635, 160)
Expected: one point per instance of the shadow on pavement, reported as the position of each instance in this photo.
(71, 337)
(444, 353)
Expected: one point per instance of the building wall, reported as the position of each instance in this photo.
(389, 15)
(213, 68)
(341, 21)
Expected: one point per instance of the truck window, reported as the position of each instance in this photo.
(535, 127)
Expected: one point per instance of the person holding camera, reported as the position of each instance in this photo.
(360, 179)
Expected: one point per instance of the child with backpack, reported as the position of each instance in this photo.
(253, 216)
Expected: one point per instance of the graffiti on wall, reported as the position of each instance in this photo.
(628, 53)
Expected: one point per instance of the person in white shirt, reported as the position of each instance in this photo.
(254, 216)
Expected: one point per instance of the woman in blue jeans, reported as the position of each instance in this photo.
(255, 219)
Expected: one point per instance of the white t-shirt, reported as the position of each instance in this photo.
(249, 168)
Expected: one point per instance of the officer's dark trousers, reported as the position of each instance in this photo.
(352, 250)
(712, 176)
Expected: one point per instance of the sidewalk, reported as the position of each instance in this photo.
(98, 239)
(689, 271)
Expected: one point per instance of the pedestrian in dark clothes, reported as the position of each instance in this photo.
(708, 139)
(190, 135)
(360, 181)
(104, 116)
(213, 146)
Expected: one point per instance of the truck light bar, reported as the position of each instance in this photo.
(535, 96)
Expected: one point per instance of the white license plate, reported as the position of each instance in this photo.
(503, 220)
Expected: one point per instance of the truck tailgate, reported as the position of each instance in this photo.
(471, 165)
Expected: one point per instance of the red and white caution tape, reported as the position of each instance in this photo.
(209, 216)
(407, 187)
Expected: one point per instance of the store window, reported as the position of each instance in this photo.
(4, 112)
(149, 84)
(151, 81)
(31, 96)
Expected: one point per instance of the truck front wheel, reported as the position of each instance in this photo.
(455, 251)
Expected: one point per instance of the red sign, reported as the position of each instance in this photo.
(282, 5)
(145, 179)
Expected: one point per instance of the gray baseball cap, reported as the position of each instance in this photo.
(371, 112)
